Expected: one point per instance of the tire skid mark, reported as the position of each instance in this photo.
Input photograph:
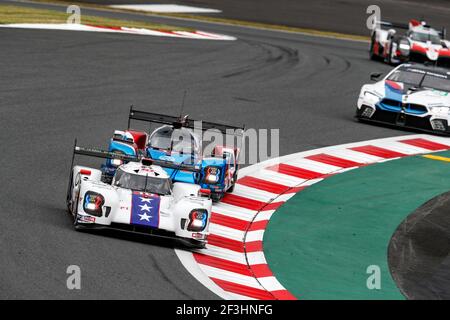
(275, 58)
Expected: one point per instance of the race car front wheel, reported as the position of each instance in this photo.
(358, 114)
(76, 225)
(372, 55)
(390, 56)
(217, 196)
(235, 177)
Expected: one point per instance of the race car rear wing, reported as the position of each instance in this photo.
(405, 26)
(98, 153)
(182, 122)
(393, 25)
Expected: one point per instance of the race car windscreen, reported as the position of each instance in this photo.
(178, 140)
(421, 78)
(161, 139)
(407, 77)
(424, 37)
(142, 183)
(438, 83)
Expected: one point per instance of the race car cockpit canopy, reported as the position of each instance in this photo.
(138, 177)
(425, 36)
(180, 140)
(422, 77)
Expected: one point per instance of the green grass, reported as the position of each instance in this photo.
(17, 14)
(320, 243)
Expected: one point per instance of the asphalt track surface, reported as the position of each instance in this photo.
(420, 263)
(345, 16)
(58, 85)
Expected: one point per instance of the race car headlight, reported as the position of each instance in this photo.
(439, 109)
(434, 109)
(198, 219)
(116, 162)
(371, 97)
(404, 47)
(439, 124)
(93, 203)
(212, 175)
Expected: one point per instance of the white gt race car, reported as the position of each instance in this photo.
(410, 96)
(141, 199)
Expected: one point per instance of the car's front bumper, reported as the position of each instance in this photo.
(402, 120)
(144, 231)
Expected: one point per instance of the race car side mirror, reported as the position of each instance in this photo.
(375, 76)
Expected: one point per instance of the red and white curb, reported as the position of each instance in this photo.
(199, 35)
(233, 264)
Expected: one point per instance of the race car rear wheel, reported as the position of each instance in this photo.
(69, 194)
(76, 225)
(372, 54)
(390, 55)
(235, 177)
(395, 42)
(217, 196)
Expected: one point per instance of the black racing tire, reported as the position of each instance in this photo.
(389, 56)
(76, 225)
(396, 39)
(79, 228)
(235, 176)
(69, 193)
(217, 196)
(68, 205)
(357, 116)
(372, 54)
(191, 243)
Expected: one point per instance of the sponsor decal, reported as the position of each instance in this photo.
(167, 158)
(393, 90)
(398, 86)
(86, 219)
(441, 93)
(145, 209)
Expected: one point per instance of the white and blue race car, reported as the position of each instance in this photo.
(410, 96)
(179, 140)
(140, 198)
